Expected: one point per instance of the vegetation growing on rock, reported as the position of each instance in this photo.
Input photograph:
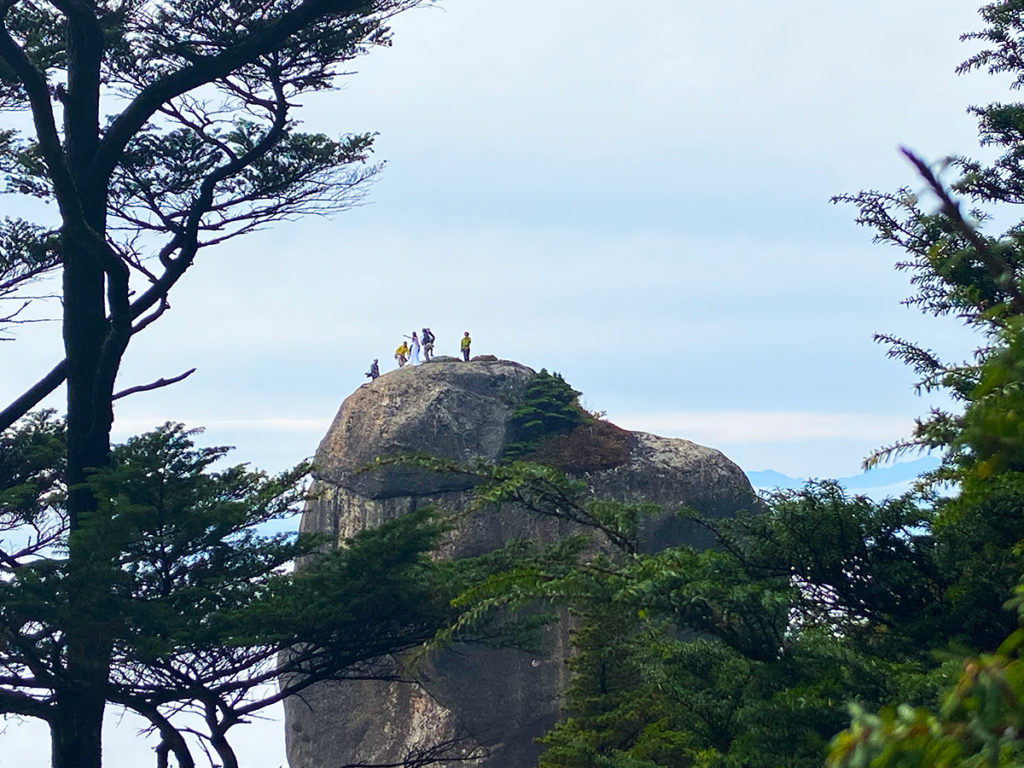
(594, 445)
(549, 407)
(551, 427)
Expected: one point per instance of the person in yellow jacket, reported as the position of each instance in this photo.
(466, 341)
(402, 354)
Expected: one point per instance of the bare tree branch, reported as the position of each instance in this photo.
(153, 385)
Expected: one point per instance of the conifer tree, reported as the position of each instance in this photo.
(550, 407)
(157, 130)
(959, 268)
(208, 623)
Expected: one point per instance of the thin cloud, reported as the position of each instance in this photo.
(740, 427)
(277, 424)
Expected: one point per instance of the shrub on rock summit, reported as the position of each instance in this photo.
(550, 407)
(552, 428)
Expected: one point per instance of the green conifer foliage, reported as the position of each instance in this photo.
(550, 407)
(199, 597)
(959, 268)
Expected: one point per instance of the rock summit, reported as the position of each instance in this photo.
(492, 702)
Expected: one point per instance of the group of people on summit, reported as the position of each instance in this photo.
(409, 351)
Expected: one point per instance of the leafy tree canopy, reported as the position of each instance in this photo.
(959, 268)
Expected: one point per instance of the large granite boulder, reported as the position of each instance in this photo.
(470, 702)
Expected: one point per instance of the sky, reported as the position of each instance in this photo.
(637, 199)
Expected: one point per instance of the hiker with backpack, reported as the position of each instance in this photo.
(428, 344)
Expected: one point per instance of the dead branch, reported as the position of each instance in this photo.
(153, 385)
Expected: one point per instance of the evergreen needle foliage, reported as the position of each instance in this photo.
(156, 130)
(550, 407)
(958, 268)
(206, 614)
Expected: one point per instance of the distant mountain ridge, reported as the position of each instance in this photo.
(892, 479)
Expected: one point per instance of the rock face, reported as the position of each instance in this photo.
(486, 703)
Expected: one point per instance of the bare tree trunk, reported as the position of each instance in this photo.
(80, 704)
(77, 729)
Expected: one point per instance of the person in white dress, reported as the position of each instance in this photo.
(414, 350)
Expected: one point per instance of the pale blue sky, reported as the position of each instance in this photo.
(637, 199)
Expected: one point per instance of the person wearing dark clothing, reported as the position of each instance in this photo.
(374, 371)
(428, 344)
